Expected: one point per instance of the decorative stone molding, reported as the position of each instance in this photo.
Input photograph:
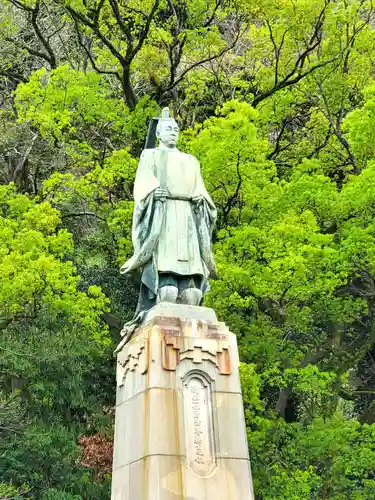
(176, 349)
(133, 358)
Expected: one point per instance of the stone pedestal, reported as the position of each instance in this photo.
(180, 430)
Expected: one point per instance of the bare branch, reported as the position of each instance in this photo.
(95, 28)
(146, 28)
(29, 49)
(83, 214)
(296, 74)
(16, 77)
(49, 56)
(89, 54)
(212, 16)
(21, 6)
(34, 21)
(201, 62)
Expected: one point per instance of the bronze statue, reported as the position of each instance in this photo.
(172, 226)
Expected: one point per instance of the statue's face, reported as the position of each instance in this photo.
(168, 133)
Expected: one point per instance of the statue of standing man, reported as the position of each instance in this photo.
(172, 226)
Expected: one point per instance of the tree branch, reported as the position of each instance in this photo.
(82, 214)
(287, 83)
(42, 39)
(49, 55)
(201, 62)
(146, 28)
(89, 55)
(296, 74)
(276, 150)
(16, 77)
(95, 28)
(125, 28)
(212, 16)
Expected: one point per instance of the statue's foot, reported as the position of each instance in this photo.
(167, 293)
(191, 296)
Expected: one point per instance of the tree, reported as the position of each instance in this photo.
(51, 338)
(276, 100)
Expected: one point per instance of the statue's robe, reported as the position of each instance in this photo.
(171, 236)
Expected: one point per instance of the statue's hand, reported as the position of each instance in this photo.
(160, 194)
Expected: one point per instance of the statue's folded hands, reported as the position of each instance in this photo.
(160, 194)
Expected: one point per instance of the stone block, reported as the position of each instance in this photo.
(180, 429)
(146, 425)
(128, 440)
(182, 311)
(230, 428)
(121, 483)
(167, 478)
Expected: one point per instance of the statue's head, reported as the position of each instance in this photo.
(167, 130)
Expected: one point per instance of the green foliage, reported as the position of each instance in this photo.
(7, 491)
(51, 337)
(49, 456)
(80, 111)
(359, 125)
(59, 495)
(277, 102)
(326, 459)
(233, 159)
(291, 255)
(35, 280)
(54, 101)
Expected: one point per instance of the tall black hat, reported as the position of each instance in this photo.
(151, 134)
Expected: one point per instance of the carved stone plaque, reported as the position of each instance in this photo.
(198, 424)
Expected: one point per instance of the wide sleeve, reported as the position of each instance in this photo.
(148, 214)
(145, 178)
(206, 215)
(200, 190)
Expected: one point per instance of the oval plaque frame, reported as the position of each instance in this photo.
(199, 423)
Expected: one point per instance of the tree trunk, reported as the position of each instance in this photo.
(129, 95)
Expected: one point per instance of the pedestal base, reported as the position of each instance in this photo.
(180, 430)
